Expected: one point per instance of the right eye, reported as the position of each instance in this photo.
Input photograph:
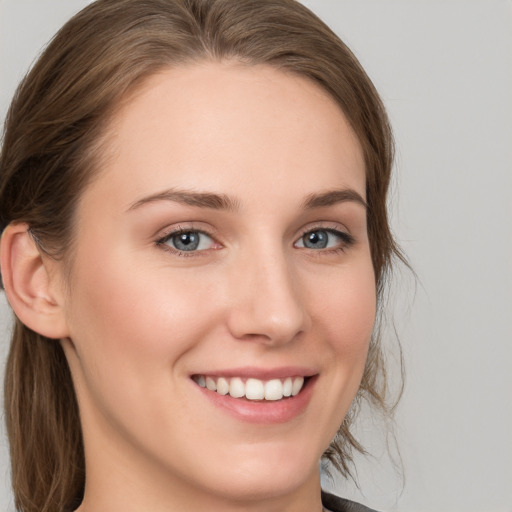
(187, 241)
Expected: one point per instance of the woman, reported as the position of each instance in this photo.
(195, 241)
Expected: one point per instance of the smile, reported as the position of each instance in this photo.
(252, 389)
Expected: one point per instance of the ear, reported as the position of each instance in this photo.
(30, 281)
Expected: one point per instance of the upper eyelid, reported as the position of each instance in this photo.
(179, 228)
(333, 226)
(338, 232)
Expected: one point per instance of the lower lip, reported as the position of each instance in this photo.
(263, 411)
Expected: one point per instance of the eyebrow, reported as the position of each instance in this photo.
(332, 197)
(190, 198)
(227, 203)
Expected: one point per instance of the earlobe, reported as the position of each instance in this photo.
(29, 284)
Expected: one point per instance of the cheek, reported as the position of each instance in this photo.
(131, 326)
(136, 307)
(346, 309)
(346, 314)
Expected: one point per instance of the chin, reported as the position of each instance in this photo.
(265, 472)
(250, 483)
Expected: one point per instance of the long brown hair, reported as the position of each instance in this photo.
(52, 148)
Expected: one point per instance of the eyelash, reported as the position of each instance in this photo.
(346, 241)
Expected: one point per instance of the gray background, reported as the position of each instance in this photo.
(444, 69)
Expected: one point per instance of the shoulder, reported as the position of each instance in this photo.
(336, 504)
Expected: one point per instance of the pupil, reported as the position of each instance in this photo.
(186, 241)
(186, 238)
(317, 239)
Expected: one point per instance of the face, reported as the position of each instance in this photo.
(222, 291)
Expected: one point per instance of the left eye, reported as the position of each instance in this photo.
(188, 241)
(322, 239)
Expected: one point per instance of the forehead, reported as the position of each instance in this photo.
(211, 125)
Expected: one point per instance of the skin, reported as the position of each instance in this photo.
(142, 318)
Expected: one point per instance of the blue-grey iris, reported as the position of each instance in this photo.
(188, 241)
(316, 240)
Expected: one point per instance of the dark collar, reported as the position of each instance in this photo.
(336, 504)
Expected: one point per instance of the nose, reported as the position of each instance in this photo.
(266, 304)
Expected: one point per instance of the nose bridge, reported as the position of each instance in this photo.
(267, 302)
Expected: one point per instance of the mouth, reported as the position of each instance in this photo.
(258, 395)
(252, 389)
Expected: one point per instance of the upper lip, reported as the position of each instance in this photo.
(249, 372)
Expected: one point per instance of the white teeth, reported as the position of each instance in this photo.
(236, 388)
(211, 384)
(297, 385)
(222, 386)
(273, 390)
(252, 389)
(287, 386)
